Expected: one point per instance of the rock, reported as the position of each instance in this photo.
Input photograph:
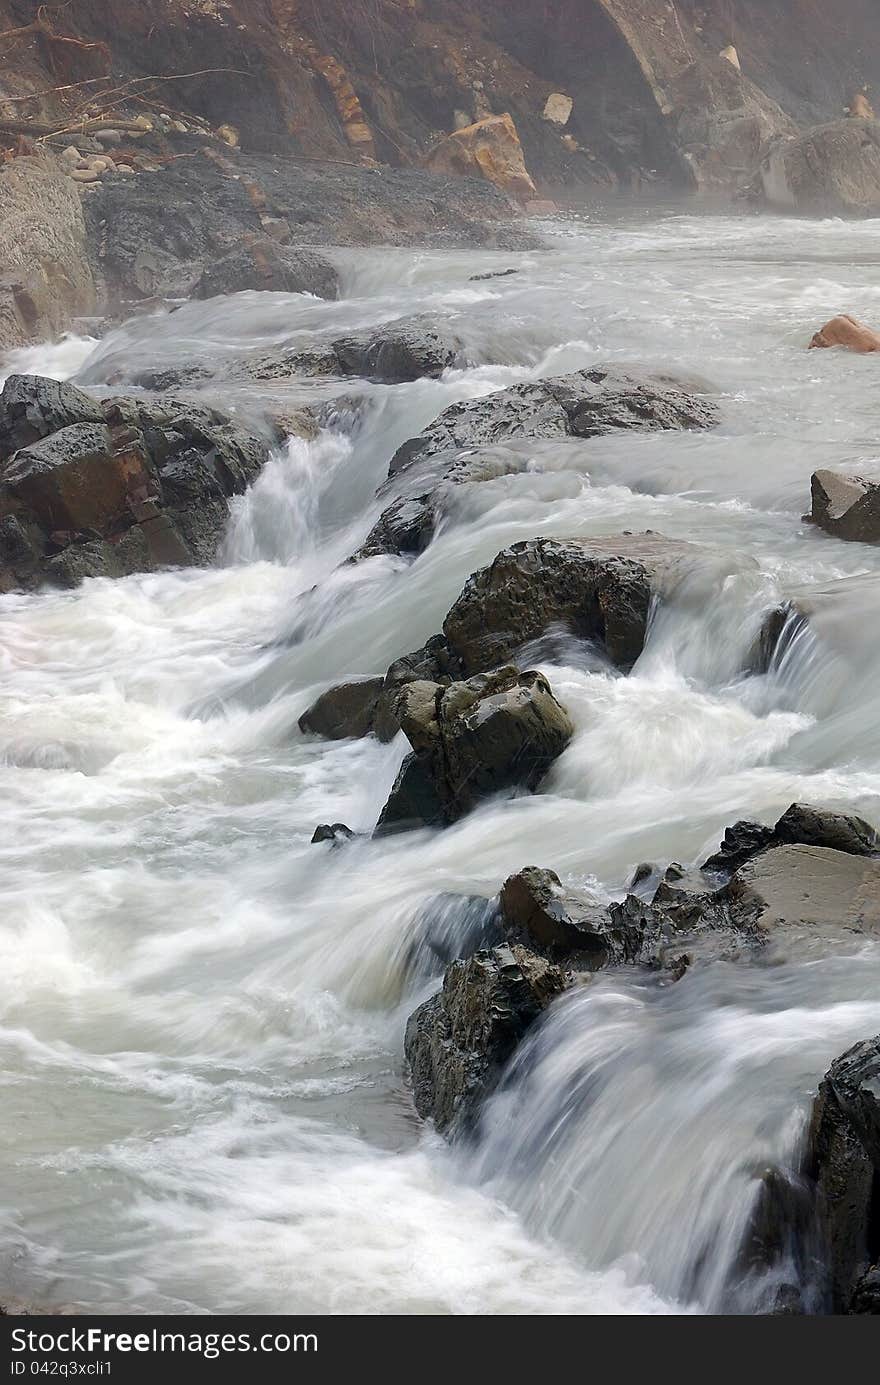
(450, 927)
(336, 833)
(45, 280)
(229, 135)
(730, 55)
(265, 265)
(71, 155)
(411, 349)
(458, 1043)
(537, 911)
(866, 1295)
(85, 175)
(346, 710)
(602, 590)
(800, 825)
(488, 149)
(848, 332)
(829, 170)
(492, 274)
(32, 408)
(112, 137)
(843, 1162)
(810, 890)
(558, 108)
(846, 506)
(584, 404)
(861, 108)
(741, 842)
(470, 740)
(74, 480)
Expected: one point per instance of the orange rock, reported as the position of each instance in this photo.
(489, 149)
(848, 332)
(861, 108)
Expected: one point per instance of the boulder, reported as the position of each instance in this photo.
(32, 408)
(333, 832)
(265, 265)
(75, 480)
(849, 333)
(537, 911)
(810, 890)
(600, 589)
(603, 399)
(410, 349)
(45, 280)
(843, 1162)
(829, 170)
(458, 1043)
(490, 149)
(801, 824)
(495, 732)
(558, 108)
(846, 506)
(348, 709)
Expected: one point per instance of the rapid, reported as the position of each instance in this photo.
(202, 1013)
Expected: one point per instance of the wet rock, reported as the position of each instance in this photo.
(808, 891)
(601, 590)
(264, 265)
(32, 408)
(843, 1161)
(411, 349)
(334, 832)
(488, 149)
(470, 740)
(847, 332)
(73, 480)
(458, 1043)
(828, 170)
(492, 274)
(846, 506)
(537, 910)
(348, 709)
(604, 399)
(865, 1298)
(740, 843)
(801, 824)
(449, 927)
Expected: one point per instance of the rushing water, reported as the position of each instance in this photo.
(201, 1014)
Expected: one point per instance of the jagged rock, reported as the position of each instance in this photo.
(459, 1041)
(334, 832)
(600, 589)
(827, 170)
(264, 265)
(848, 332)
(73, 480)
(348, 709)
(865, 1298)
(740, 843)
(489, 149)
(843, 1161)
(846, 506)
(801, 824)
(585, 404)
(32, 408)
(491, 274)
(537, 910)
(470, 740)
(410, 349)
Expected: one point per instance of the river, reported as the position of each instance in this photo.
(202, 1014)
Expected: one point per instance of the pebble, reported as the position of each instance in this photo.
(85, 175)
(71, 154)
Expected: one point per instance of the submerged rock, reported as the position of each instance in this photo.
(333, 832)
(846, 506)
(411, 349)
(264, 265)
(603, 399)
(459, 1041)
(470, 740)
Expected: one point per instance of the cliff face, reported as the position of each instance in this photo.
(362, 79)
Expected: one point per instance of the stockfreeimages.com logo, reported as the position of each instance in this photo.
(95, 1341)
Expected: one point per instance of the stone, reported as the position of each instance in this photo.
(846, 506)
(603, 399)
(830, 170)
(847, 332)
(348, 709)
(335, 833)
(602, 590)
(85, 175)
(558, 108)
(860, 108)
(33, 407)
(801, 824)
(73, 480)
(810, 890)
(458, 1043)
(470, 740)
(730, 55)
(490, 149)
(537, 911)
(264, 265)
(411, 349)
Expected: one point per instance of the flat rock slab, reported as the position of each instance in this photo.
(812, 887)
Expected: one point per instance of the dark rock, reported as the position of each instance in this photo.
(406, 527)
(470, 740)
(75, 481)
(345, 710)
(604, 399)
(492, 274)
(601, 590)
(740, 843)
(411, 349)
(846, 506)
(33, 407)
(537, 910)
(843, 1161)
(458, 1043)
(264, 265)
(812, 826)
(336, 833)
(866, 1295)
